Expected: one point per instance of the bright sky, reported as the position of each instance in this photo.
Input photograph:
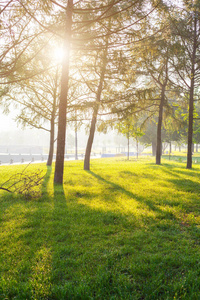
(7, 122)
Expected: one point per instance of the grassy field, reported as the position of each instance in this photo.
(124, 230)
(182, 157)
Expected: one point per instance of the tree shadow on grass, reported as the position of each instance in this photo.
(46, 180)
(69, 250)
(99, 254)
(119, 188)
(182, 180)
(25, 241)
(186, 185)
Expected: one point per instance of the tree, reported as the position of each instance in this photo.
(58, 176)
(186, 30)
(38, 97)
(131, 128)
(115, 33)
(150, 134)
(155, 61)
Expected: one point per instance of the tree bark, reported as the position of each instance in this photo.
(76, 144)
(191, 99)
(159, 127)
(59, 168)
(128, 140)
(153, 148)
(90, 140)
(95, 113)
(52, 126)
(137, 146)
(51, 146)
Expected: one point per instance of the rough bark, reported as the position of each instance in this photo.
(59, 168)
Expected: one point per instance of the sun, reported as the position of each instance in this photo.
(58, 53)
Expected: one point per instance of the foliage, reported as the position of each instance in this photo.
(130, 127)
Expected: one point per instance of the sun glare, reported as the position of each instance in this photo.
(58, 54)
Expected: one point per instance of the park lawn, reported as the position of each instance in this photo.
(124, 230)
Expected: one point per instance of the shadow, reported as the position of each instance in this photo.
(125, 173)
(116, 187)
(183, 184)
(186, 185)
(70, 250)
(26, 241)
(46, 180)
(135, 177)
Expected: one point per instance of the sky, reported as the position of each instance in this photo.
(7, 122)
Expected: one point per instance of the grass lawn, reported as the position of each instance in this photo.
(124, 230)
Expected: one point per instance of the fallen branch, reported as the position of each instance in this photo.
(24, 183)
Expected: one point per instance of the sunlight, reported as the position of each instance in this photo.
(58, 53)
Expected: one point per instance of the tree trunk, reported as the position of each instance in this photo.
(190, 132)
(51, 146)
(90, 141)
(137, 146)
(128, 139)
(159, 127)
(95, 112)
(58, 176)
(52, 128)
(153, 148)
(197, 148)
(191, 100)
(76, 144)
(76, 137)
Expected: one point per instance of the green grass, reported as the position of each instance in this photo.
(182, 157)
(124, 230)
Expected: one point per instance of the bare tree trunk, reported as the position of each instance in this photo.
(159, 127)
(190, 131)
(76, 137)
(52, 128)
(153, 148)
(51, 146)
(170, 147)
(58, 176)
(128, 139)
(95, 112)
(153, 145)
(76, 144)
(90, 140)
(191, 100)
